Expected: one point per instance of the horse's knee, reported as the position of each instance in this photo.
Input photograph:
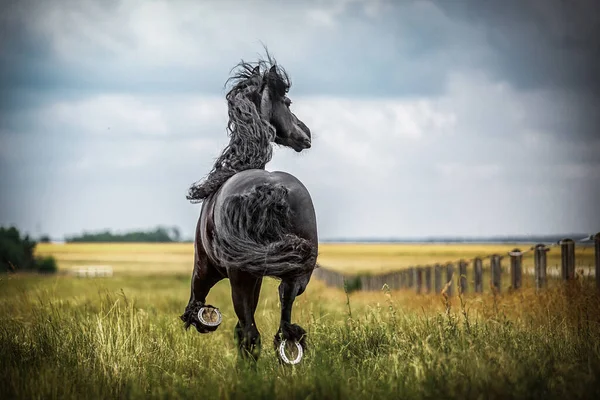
(302, 283)
(293, 288)
(301, 290)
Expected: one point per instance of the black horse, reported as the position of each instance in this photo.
(254, 223)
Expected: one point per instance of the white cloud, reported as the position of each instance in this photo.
(362, 133)
(457, 171)
(326, 13)
(320, 17)
(376, 118)
(176, 33)
(123, 115)
(137, 116)
(436, 157)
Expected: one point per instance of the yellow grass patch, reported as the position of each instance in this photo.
(345, 257)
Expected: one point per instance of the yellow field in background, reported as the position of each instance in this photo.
(123, 257)
(347, 257)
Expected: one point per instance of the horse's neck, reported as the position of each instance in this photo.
(242, 153)
(258, 157)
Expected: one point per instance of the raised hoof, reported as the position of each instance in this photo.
(209, 318)
(290, 352)
(203, 317)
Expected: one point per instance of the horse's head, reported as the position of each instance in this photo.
(274, 105)
(259, 114)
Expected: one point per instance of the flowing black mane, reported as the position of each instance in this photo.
(250, 134)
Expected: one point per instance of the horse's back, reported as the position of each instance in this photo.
(247, 180)
(298, 196)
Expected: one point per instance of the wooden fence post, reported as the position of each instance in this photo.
(462, 271)
(428, 278)
(478, 271)
(396, 280)
(401, 279)
(375, 282)
(597, 252)
(567, 255)
(419, 279)
(437, 271)
(450, 278)
(378, 281)
(496, 270)
(411, 277)
(363, 283)
(540, 265)
(516, 268)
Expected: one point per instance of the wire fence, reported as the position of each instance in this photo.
(439, 276)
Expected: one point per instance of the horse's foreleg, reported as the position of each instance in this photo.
(245, 291)
(291, 333)
(204, 277)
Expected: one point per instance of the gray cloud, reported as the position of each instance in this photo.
(411, 47)
(429, 118)
(538, 43)
(52, 50)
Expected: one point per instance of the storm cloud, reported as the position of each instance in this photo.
(429, 117)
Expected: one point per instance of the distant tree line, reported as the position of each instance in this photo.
(158, 235)
(490, 239)
(17, 254)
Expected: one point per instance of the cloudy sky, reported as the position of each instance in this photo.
(430, 118)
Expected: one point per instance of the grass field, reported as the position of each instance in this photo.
(120, 337)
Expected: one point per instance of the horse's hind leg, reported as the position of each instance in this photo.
(204, 277)
(245, 291)
(288, 290)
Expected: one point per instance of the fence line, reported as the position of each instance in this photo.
(432, 279)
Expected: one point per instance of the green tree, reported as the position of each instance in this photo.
(45, 239)
(160, 234)
(17, 253)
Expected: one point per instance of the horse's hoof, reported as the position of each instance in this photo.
(296, 348)
(209, 317)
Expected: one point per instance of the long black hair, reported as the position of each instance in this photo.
(250, 135)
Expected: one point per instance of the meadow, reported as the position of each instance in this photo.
(120, 337)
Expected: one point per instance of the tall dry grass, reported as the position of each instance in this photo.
(63, 337)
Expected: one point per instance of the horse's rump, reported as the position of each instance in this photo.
(254, 233)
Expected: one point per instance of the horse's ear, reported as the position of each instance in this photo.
(273, 70)
(256, 70)
(275, 83)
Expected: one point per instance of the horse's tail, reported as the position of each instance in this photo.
(254, 234)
